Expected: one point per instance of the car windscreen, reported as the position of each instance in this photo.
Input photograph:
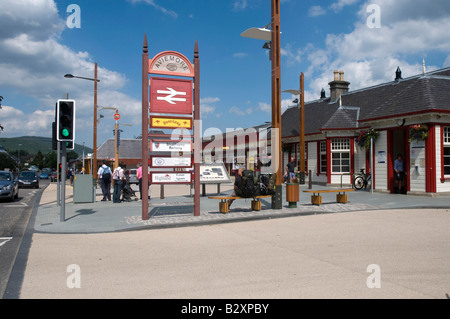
(5, 176)
(28, 174)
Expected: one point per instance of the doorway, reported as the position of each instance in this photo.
(398, 143)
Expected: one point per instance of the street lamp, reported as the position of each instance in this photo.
(94, 155)
(301, 94)
(273, 35)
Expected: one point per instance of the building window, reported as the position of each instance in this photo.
(323, 157)
(340, 155)
(446, 155)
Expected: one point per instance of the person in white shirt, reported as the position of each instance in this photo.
(104, 177)
(118, 183)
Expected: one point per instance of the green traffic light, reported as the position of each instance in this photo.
(65, 132)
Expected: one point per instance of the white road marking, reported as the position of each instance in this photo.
(4, 240)
(21, 204)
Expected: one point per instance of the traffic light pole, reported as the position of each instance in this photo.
(63, 181)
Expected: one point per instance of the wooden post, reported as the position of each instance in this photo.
(302, 129)
(94, 152)
(276, 103)
(145, 102)
(197, 138)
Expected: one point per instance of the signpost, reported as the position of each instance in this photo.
(170, 96)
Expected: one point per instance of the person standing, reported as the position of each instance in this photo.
(398, 174)
(291, 168)
(104, 177)
(118, 183)
(139, 177)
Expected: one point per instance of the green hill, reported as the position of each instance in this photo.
(32, 144)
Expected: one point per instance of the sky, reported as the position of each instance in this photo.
(368, 40)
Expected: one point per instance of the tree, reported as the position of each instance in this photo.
(72, 155)
(7, 162)
(51, 160)
(38, 160)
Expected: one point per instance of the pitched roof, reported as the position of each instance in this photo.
(129, 149)
(420, 93)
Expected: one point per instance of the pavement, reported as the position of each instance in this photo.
(176, 209)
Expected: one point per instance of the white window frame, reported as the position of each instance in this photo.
(340, 146)
(446, 144)
(323, 163)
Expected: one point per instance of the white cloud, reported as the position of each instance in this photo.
(316, 11)
(206, 105)
(33, 62)
(237, 111)
(447, 62)
(240, 5)
(409, 31)
(340, 4)
(157, 7)
(240, 55)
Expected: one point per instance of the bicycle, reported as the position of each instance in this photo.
(361, 180)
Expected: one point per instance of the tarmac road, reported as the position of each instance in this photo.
(318, 256)
(14, 217)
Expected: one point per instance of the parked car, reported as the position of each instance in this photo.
(53, 176)
(131, 176)
(44, 175)
(9, 187)
(28, 179)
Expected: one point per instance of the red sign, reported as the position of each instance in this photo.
(170, 96)
(117, 116)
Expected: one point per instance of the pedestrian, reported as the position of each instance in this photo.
(139, 177)
(104, 177)
(291, 168)
(398, 174)
(118, 178)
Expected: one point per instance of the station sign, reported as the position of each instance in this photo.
(171, 177)
(171, 96)
(170, 162)
(169, 122)
(170, 146)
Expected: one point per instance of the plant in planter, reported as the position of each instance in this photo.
(364, 137)
(418, 132)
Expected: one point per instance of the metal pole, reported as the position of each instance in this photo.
(58, 178)
(145, 105)
(116, 147)
(371, 166)
(276, 103)
(63, 182)
(94, 153)
(83, 160)
(197, 138)
(302, 129)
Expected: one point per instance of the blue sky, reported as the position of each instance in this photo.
(37, 48)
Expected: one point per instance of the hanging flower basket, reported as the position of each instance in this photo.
(418, 132)
(286, 148)
(364, 137)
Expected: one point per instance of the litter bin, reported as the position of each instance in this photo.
(292, 194)
(83, 189)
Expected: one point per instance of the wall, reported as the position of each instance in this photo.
(417, 159)
(381, 175)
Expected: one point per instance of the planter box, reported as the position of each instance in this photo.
(292, 194)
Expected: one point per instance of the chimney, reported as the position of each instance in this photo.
(398, 74)
(338, 86)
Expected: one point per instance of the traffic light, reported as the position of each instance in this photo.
(65, 120)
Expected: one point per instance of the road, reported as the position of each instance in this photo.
(372, 254)
(14, 218)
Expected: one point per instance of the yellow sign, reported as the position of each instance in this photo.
(170, 122)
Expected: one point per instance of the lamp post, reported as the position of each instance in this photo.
(94, 155)
(273, 36)
(301, 94)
